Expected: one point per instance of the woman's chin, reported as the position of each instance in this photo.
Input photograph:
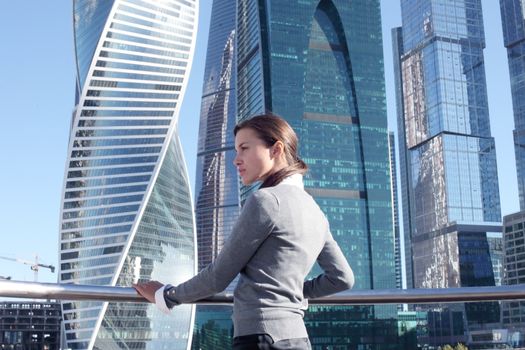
(247, 181)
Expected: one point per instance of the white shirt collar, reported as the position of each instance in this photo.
(295, 180)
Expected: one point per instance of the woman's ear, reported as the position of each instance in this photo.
(278, 149)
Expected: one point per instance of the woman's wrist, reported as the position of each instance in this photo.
(160, 301)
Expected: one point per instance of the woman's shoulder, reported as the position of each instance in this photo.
(277, 192)
(263, 197)
(294, 201)
(285, 193)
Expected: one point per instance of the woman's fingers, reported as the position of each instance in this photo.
(148, 289)
(145, 292)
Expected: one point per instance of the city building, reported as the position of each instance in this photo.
(395, 212)
(448, 157)
(319, 64)
(495, 241)
(513, 21)
(30, 325)
(489, 339)
(217, 184)
(412, 325)
(126, 211)
(397, 49)
(513, 312)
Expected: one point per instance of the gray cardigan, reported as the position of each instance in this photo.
(279, 235)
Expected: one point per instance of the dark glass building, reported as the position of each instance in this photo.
(513, 20)
(319, 64)
(126, 211)
(412, 325)
(30, 325)
(449, 161)
(217, 184)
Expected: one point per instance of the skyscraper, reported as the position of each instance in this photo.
(319, 64)
(395, 210)
(217, 183)
(397, 49)
(126, 209)
(450, 160)
(513, 20)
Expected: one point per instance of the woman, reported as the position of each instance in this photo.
(279, 235)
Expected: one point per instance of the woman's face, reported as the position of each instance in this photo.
(254, 159)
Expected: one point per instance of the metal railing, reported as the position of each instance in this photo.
(34, 290)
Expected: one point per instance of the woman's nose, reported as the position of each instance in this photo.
(236, 160)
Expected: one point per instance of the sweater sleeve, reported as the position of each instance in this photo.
(337, 275)
(253, 226)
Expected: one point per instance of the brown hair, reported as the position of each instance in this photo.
(271, 128)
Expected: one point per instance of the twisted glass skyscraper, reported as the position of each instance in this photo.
(217, 184)
(126, 207)
(319, 64)
(448, 160)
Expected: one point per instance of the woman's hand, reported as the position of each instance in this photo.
(148, 289)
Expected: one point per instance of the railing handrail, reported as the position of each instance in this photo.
(35, 290)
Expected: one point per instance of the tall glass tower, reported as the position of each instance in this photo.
(513, 20)
(126, 210)
(397, 49)
(217, 184)
(449, 160)
(395, 210)
(319, 64)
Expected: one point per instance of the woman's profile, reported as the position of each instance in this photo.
(279, 235)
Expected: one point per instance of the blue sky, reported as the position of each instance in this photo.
(37, 77)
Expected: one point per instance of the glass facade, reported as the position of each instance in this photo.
(513, 20)
(495, 241)
(126, 207)
(319, 64)
(397, 49)
(395, 210)
(449, 160)
(217, 185)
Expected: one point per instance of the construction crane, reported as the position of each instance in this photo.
(34, 265)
